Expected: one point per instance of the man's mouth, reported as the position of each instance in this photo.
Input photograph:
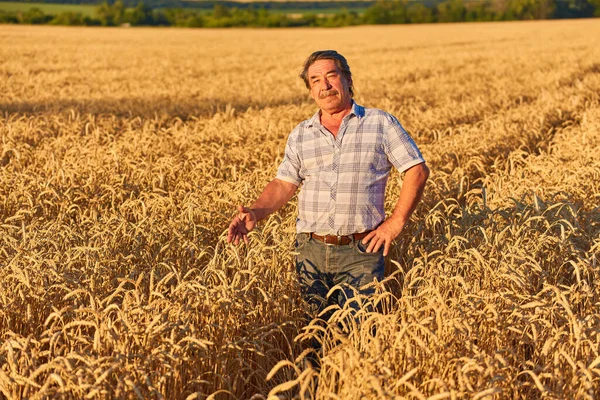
(327, 93)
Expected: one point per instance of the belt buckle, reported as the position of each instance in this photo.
(338, 240)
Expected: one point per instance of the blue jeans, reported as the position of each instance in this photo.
(320, 267)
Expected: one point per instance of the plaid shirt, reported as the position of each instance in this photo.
(343, 178)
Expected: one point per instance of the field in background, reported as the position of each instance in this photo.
(48, 8)
(323, 11)
(125, 151)
(90, 10)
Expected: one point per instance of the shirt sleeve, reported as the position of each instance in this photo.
(289, 169)
(399, 147)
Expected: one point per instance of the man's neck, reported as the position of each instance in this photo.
(333, 124)
(334, 118)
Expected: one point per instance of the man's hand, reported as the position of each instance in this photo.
(383, 236)
(273, 197)
(241, 225)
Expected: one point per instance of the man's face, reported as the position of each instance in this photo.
(329, 88)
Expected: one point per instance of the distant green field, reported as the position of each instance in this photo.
(53, 9)
(293, 11)
(90, 10)
(319, 11)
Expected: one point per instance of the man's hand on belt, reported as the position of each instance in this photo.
(383, 235)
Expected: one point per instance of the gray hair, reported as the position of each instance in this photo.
(340, 62)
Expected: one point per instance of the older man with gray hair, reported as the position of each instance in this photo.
(342, 157)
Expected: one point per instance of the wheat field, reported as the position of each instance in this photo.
(125, 152)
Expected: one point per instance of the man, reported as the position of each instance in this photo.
(342, 156)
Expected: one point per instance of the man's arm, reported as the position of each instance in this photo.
(274, 196)
(412, 190)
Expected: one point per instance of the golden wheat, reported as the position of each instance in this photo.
(125, 151)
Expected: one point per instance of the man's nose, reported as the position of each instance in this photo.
(325, 84)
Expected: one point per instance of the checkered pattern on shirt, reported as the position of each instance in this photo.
(343, 179)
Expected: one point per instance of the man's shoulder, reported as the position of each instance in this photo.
(307, 123)
(301, 130)
(303, 126)
(374, 112)
(378, 115)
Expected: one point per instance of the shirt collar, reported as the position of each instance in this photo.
(357, 110)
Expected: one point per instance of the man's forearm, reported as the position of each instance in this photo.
(274, 196)
(410, 195)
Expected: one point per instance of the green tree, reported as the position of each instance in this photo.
(7, 17)
(342, 18)
(451, 11)
(531, 9)
(220, 11)
(575, 9)
(34, 16)
(159, 18)
(386, 12)
(418, 13)
(596, 7)
(310, 19)
(479, 11)
(110, 15)
(68, 18)
(140, 15)
(194, 21)
(118, 11)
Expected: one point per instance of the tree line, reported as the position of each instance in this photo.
(209, 4)
(380, 12)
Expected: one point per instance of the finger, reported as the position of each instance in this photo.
(241, 238)
(242, 235)
(378, 244)
(234, 238)
(386, 249)
(368, 237)
(382, 244)
(231, 228)
(230, 232)
(372, 244)
(236, 225)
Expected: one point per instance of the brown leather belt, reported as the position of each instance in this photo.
(339, 240)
